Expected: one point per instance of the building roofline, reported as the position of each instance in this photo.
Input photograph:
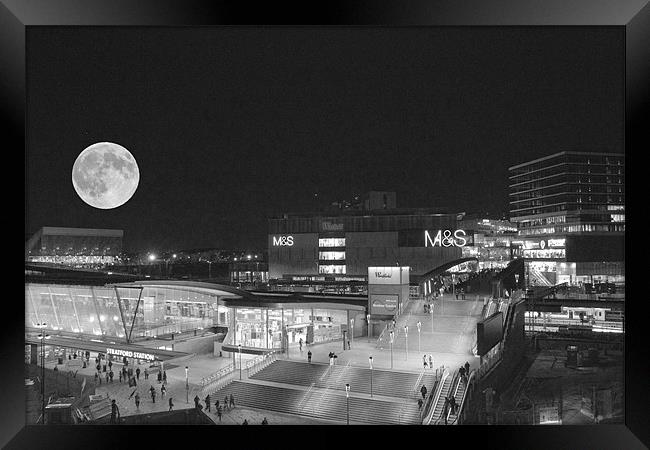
(566, 152)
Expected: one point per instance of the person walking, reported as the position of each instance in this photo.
(107, 377)
(164, 376)
(300, 344)
(424, 361)
(420, 403)
(423, 391)
(153, 394)
(171, 404)
(431, 361)
(216, 405)
(137, 400)
(110, 374)
(163, 391)
(467, 367)
(219, 411)
(207, 402)
(309, 356)
(159, 376)
(232, 402)
(110, 365)
(453, 404)
(137, 373)
(115, 412)
(349, 344)
(196, 401)
(146, 374)
(265, 422)
(225, 402)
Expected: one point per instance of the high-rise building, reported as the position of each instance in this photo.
(570, 211)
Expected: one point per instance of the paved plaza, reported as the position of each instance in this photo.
(449, 342)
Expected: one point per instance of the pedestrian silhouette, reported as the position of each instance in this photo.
(245, 422)
(309, 356)
(196, 401)
(265, 422)
(171, 404)
(232, 401)
(207, 402)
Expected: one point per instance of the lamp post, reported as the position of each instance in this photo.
(347, 400)
(419, 327)
(42, 336)
(187, 385)
(239, 346)
(352, 330)
(406, 335)
(392, 335)
(370, 361)
(368, 319)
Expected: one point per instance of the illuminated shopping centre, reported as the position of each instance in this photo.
(149, 313)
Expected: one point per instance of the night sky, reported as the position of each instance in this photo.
(230, 126)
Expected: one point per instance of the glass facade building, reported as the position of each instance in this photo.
(570, 210)
(121, 311)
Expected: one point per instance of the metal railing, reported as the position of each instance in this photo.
(212, 383)
(260, 362)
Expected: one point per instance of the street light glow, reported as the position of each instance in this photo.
(152, 257)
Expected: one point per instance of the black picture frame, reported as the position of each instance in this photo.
(632, 16)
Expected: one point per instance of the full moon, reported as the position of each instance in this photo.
(105, 175)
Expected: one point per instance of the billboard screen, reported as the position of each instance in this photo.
(488, 333)
(383, 304)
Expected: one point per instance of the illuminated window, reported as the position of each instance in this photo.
(331, 242)
(332, 268)
(334, 256)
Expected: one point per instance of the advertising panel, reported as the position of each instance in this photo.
(388, 275)
(488, 333)
(383, 304)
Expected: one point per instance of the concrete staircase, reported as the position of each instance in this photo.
(320, 404)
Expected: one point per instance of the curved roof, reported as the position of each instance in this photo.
(196, 286)
(446, 266)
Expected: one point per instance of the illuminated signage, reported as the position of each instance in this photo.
(388, 275)
(556, 243)
(130, 354)
(330, 226)
(282, 241)
(445, 238)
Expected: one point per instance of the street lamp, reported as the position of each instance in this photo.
(370, 361)
(42, 336)
(239, 346)
(406, 335)
(187, 385)
(368, 319)
(392, 335)
(352, 330)
(419, 327)
(347, 399)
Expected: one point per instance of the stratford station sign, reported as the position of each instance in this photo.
(130, 354)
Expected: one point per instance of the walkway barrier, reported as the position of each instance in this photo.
(260, 362)
(217, 380)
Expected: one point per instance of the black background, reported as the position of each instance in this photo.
(553, 12)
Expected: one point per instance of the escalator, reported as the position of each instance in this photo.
(437, 409)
